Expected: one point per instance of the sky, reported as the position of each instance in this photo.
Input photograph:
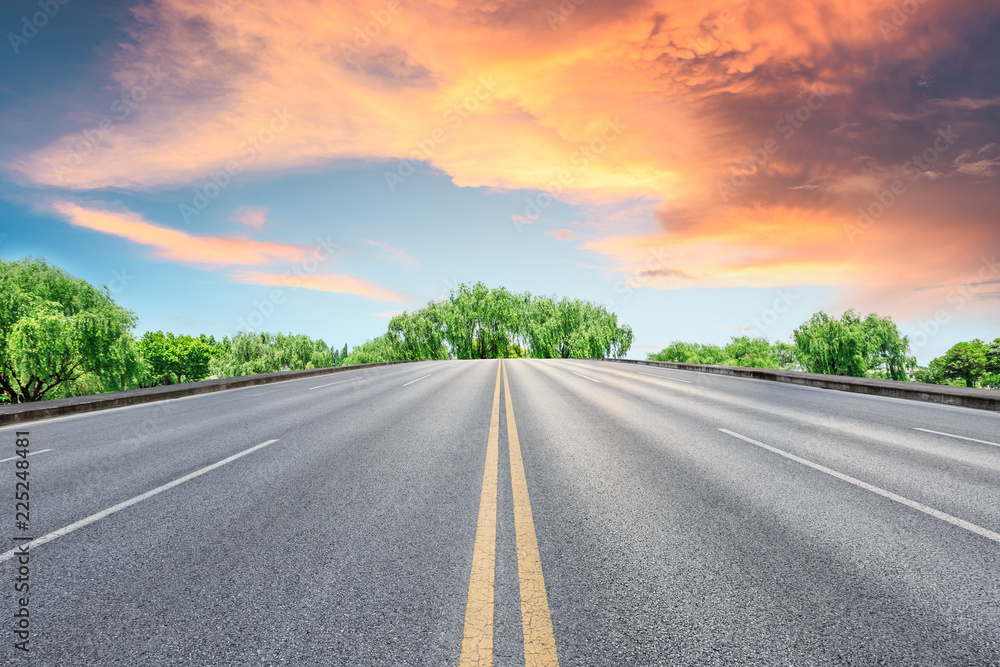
(705, 170)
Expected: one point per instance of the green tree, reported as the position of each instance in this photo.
(55, 329)
(172, 359)
(993, 357)
(740, 351)
(339, 356)
(249, 353)
(785, 355)
(966, 362)
(476, 322)
(750, 353)
(377, 350)
(690, 353)
(853, 346)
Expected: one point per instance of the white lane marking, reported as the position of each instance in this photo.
(40, 451)
(960, 437)
(330, 384)
(584, 376)
(128, 503)
(937, 514)
(417, 380)
(664, 377)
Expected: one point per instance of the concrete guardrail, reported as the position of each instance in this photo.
(23, 412)
(981, 399)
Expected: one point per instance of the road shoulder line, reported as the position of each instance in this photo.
(920, 507)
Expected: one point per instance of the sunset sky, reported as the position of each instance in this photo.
(704, 169)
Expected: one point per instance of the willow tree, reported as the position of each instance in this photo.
(852, 345)
(476, 322)
(250, 353)
(56, 329)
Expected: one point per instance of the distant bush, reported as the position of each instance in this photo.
(740, 351)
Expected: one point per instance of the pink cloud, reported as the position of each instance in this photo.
(322, 282)
(177, 245)
(254, 218)
(562, 234)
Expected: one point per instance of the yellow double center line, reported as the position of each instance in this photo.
(477, 637)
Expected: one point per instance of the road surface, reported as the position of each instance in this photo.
(550, 512)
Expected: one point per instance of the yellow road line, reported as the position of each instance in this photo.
(477, 636)
(539, 640)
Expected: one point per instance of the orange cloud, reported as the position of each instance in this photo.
(323, 282)
(176, 245)
(667, 103)
(612, 100)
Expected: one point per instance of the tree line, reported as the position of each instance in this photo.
(60, 336)
(477, 322)
(869, 346)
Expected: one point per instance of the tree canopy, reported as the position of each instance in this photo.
(852, 345)
(965, 361)
(476, 322)
(56, 329)
(740, 351)
(253, 353)
(172, 359)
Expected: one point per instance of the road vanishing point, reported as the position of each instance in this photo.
(524, 512)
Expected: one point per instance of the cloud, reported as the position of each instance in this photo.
(658, 102)
(562, 234)
(176, 245)
(254, 218)
(984, 163)
(322, 282)
(388, 253)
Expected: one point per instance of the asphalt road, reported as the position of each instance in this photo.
(626, 515)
